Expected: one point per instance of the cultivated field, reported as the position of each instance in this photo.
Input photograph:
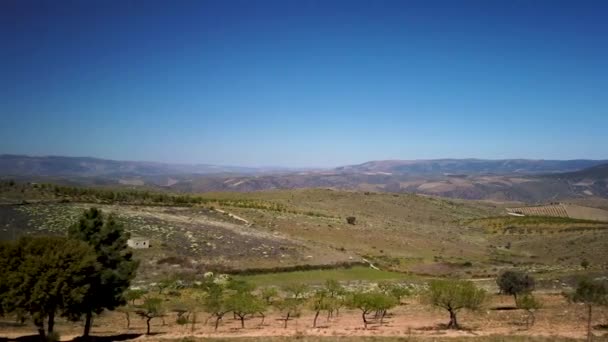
(412, 320)
(278, 238)
(563, 210)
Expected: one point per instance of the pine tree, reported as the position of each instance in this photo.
(109, 240)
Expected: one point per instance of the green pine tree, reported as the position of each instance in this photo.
(109, 240)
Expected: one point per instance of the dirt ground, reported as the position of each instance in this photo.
(557, 318)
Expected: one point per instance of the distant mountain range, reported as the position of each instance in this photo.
(471, 166)
(502, 180)
(58, 166)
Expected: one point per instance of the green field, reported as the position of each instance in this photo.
(357, 273)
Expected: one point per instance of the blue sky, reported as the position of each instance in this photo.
(304, 83)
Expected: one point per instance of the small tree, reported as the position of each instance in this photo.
(453, 296)
(514, 283)
(335, 292)
(245, 304)
(369, 302)
(164, 284)
(590, 293)
(240, 286)
(396, 290)
(150, 309)
(296, 290)
(289, 308)
(132, 295)
(351, 220)
(530, 304)
(320, 301)
(215, 303)
(126, 309)
(268, 293)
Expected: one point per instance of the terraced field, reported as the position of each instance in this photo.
(556, 210)
(562, 210)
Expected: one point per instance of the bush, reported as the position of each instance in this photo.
(351, 220)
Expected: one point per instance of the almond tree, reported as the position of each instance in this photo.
(320, 301)
(369, 302)
(290, 308)
(453, 296)
(215, 303)
(245, 304)
(150, 309)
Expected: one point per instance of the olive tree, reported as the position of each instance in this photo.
(515, 283)
(453, 296)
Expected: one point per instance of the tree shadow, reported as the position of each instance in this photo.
(503, 308)
(110, 338)
(26, 338)
(443, 328)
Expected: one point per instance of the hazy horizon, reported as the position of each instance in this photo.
(300, 167)
(306, 84)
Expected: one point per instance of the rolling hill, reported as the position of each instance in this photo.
(531, 181)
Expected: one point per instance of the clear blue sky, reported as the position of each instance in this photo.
(304, 83)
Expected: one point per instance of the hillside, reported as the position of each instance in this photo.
(530, 181)
(308, 227)
(469, 166)
(58, 166)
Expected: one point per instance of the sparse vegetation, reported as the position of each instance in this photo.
(173, 268)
